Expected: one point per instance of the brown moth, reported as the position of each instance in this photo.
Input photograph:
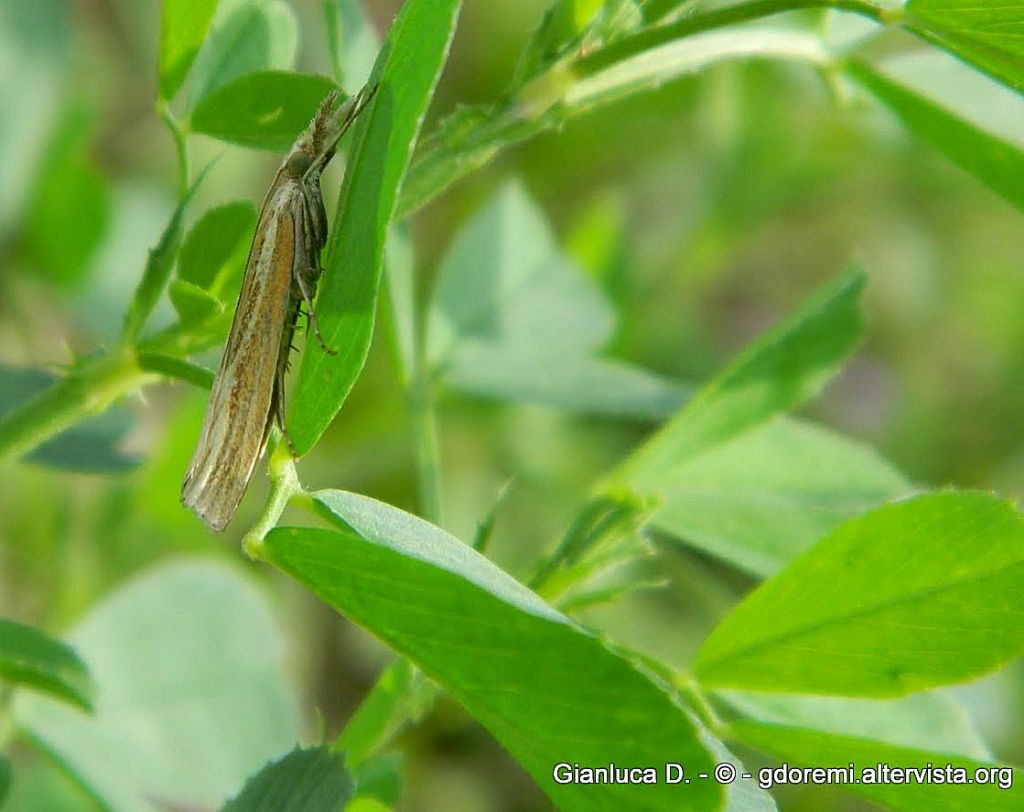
(281, 275)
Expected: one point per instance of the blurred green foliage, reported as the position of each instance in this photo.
(670, 228)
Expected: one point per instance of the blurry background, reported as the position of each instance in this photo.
(706, 211)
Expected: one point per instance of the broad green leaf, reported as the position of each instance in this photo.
(70, 211)
(913, 595)
(264, 110)
(90, 446)
(995, 161)
(159, 266)
(926, 721)
(504, 281)
(193, 303)
(769, 494)
(32, 659)
(256, 35)
(988, 35)
(312, 779)
(809, 748)
(541, 684)
(183, 28)
(383, 137)
(779, 371)
(189, 659)
(35, 46)
(352, 40)
(584, 385)
(741, 795)
(215, 249)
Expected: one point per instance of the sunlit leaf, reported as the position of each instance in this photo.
(383, 137)
(540, 683)
(214, 251)
(183, 28)
(913, 595)
(265, 110)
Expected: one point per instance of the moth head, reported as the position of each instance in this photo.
(316, 145)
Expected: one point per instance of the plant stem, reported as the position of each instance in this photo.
(81, 394)
(284, 487)
(180, 136)
(423, 421)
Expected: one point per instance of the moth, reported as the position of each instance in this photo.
(281, 275)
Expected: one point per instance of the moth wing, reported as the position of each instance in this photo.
(233, 431)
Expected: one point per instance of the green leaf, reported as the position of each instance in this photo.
(769, 494)
(987, 35)
(779, 371)
(215, 249)
(90, 446)
(264, 110)
(34, 660)
(191, 663)
(193, 304)
(548, 690)
(313, 779)
(159, 265)
(814, 749)
(504, 281)
(70, 212)
(996, 162)
(383, 137)
(926, 721)
(913, 595)
(257, 35)
(183, 28)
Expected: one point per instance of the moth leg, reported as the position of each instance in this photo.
(306, 273)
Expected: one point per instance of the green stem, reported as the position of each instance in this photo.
(180, 136)
(284, 487)
(171, 367)
(423, 420)
(649, 38)
(81, 394)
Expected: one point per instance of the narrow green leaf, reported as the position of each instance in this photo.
(996, 162)
(780, 370)
(157, 272)
(313, 779)
(913, 595)
(89, 446)
(257, 35)
(925, 721)
(264, 110)
(548, 690)
(190, 660)
(183, 28)
(987, 35)
(406, 72)
(34, 660)
(215, 248)
(955, 792)
(769, 494)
